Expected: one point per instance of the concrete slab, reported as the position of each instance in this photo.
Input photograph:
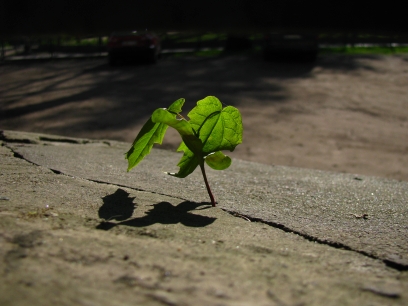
(71, 232)
(365, 214)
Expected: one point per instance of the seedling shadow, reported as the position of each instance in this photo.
(119, 206)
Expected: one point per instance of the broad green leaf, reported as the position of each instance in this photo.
(188, 162)
(150, 133)
(176, 106)
(217, 128)
(203, 110)
(218, 161)
(161, 115)
(182, 126)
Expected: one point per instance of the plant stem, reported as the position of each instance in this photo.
(207, 185)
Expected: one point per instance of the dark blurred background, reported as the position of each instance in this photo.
(343, 109)
(40, 17)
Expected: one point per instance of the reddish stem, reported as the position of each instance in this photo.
(207, 185)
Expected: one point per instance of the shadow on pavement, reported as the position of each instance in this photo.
(77, 97)
(119, 206)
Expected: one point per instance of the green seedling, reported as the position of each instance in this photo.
(210, 130)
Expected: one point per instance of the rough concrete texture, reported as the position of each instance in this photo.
(75, 228)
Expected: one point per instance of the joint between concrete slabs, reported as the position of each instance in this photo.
(18, 155)
(336, 245)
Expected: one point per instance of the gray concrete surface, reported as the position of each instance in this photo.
(320, 238)
(319, 205)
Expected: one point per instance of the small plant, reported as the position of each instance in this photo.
(211, 128)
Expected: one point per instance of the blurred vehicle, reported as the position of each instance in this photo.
(133, 45)
(290, 46)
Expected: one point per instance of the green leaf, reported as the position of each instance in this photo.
(218, 161)
(176, 106)
(188, 162)
(217, 128)
(182, 126)
(162, 115)
(150, 134)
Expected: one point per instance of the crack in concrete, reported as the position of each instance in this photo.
(337, 245)
(18, 155)
(136, 189)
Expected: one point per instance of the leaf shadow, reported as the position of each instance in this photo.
(119, 206)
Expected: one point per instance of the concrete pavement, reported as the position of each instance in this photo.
(326, 232)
